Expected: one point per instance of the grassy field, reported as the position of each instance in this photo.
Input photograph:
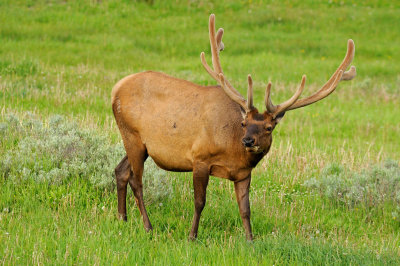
(327, 193)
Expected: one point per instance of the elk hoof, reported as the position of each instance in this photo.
(192, 238)
(122, 217)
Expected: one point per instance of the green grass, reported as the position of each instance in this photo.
(68, 224)
(60, 57)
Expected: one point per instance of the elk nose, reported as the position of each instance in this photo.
(248, 142)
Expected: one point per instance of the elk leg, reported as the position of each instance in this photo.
(242, 197)
(122, 173)
(200, 182)
(137, 187)
(137, 155)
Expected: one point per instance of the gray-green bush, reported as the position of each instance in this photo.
(57, 150)
(371, 187)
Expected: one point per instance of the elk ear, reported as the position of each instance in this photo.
(279, 117)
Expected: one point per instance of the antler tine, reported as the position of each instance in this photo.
(285, 105)
(214, 45)
(207, 67)
(268, 103)
(331, 84)
(275, 110)
(220, 44)
(250, 93)
(349, 75)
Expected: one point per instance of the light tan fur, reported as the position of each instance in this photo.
(204, 125)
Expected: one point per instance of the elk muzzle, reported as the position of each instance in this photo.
(248, 141)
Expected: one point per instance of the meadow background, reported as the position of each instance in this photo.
(328, 192)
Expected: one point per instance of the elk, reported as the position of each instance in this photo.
(207, 130)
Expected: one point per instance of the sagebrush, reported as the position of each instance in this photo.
(371, 187)
(57, 150)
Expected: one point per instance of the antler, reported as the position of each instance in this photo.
(217, 73)
(327, 89)
(275, 110)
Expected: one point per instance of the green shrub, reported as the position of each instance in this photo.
(371, 187)
(56, 151)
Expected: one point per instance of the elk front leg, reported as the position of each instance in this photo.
(122, 173)
(200, 182)
(242, 197)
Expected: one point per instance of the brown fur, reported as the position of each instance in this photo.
(205, 126)
(184, 127)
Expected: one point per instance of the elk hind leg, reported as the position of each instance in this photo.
(122, 174)
(137, 155)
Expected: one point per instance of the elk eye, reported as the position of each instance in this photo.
(269, 128)
(243, 124)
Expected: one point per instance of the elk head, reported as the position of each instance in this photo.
(258, 127)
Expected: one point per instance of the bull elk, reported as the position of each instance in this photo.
(207, 130)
